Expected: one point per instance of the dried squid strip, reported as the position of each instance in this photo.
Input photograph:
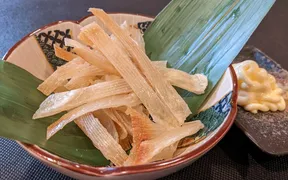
(111, 77)
(121, 128)
(121, 61)
(122, 119)
(159, 64)
(126, 121)
(79, 82)
(126, 143)
(61, 75)
(147, 150)
(63, 54)
(163, 89)
(91, 56)
(101, 139)
(75, 68)
(59, 102)
(61, 88)
(110, 126)
(166, 153)
(109, 102)
(194, 83)
(141, 109)
(142, 129)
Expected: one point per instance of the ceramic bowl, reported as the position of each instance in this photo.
(35, 54)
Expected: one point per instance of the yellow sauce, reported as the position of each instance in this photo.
(258, 90)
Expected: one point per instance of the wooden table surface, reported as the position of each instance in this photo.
(235, 153)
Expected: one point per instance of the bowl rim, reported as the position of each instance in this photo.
(46, 156)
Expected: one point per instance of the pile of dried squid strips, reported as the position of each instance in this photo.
(109, 88)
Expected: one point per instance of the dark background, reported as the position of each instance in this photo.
(235, 157)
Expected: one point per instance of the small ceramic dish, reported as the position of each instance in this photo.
(35, 54)
(268, 130)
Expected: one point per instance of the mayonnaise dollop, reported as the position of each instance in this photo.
(258, 90)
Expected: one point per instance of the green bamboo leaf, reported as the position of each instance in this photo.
(19, 99)
(203, 36)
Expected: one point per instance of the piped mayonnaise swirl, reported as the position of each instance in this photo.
(258, 89)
